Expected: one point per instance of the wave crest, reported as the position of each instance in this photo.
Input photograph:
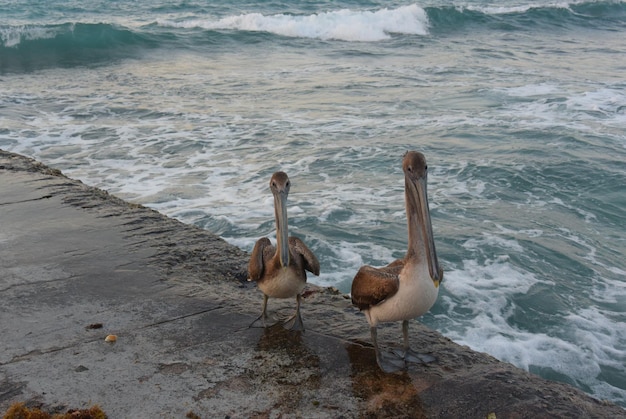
(344, 25)
(12, 36)
(32, 47)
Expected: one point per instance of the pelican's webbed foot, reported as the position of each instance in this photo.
(389, 362)
(408, 354)
(295, 322)
(263, 320)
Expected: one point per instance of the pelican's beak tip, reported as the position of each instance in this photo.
(438, 279)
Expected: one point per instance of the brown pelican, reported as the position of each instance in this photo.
(408, 287)
(280, 271)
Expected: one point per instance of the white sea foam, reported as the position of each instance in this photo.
(579, 347)
(603, 342)
(481, 292)
(493, 240)
(12, 36)
(340, 264)
(345, 25)
(500, 10)
(531, 90)
(617, 271)
(608, 101)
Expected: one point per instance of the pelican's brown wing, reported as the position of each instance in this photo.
(374, 285)
(262, 252)
(311, 263)
(394, 267)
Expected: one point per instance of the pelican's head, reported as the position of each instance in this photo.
(416, 176)
(279, 185)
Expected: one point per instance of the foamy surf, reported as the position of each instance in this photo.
(569, 347)
(344, 25)
(12, 36)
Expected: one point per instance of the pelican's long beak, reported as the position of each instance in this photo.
(418, 190)
(282, 231)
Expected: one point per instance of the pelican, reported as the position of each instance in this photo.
(408, 287)
(280, 271)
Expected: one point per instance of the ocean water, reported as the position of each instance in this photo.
(188, 107)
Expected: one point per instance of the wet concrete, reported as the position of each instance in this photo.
(77, 264)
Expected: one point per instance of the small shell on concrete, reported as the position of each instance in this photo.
(111, 339)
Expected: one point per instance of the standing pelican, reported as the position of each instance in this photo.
(408, 287)
(280, 271)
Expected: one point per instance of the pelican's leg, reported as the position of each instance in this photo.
(295, 322)
(409, 354)
(261, 321)
(387, 362)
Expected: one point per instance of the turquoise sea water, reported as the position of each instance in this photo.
(519, 107)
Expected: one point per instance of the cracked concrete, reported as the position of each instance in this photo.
(77, 264)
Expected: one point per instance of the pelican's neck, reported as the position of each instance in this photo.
(417, 248)
(282, 229)
(421, 241)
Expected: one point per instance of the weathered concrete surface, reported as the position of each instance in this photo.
(175, 295)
